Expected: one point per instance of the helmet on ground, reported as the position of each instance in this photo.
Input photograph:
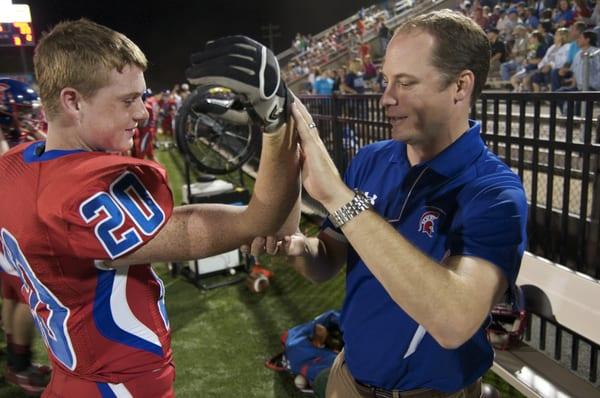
(508, 320)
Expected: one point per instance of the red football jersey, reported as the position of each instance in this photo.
(61, 212)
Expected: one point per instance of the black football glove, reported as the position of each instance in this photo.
(248, 68)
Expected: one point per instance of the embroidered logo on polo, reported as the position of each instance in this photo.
(428, 222)
(372, 198)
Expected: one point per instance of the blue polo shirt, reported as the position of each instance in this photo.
(465, 201)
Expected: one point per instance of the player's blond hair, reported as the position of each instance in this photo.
(80, 54)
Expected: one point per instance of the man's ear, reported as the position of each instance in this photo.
(70, 101)
(465, 84)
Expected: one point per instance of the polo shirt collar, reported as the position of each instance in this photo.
(460, 154)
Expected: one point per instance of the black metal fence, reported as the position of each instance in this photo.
(551, 140)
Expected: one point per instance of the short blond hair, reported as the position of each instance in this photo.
(80, 54)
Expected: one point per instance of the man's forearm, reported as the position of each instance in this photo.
(449, 314)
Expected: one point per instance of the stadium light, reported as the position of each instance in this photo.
(15, 25)
(14, 12)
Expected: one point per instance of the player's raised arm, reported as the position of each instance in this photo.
(250, 70)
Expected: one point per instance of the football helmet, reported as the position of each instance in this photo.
(21, 117)
(508, 320)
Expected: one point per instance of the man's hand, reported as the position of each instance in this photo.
(320, 176)
(293, 245)
(248, 68)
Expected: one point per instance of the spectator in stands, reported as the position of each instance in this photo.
(540, 5)
(529, 18)
(594, 19)
(369, 68)
(559, 75)
(312, 76)
(383, 34)
(487, 12)
(354, 82)
(479, 18)
(360, 26)
(581, 10)
(521, 81)
(564, 15)
(545, 27)
(507, 25)
(555, 58)
(379, 83)
(323, 83)
(498, 52)
(338, 77)
(581, 79)
(587, 44)
(494, 17)
(521, 10)
(517, 54)
(364, 49)
(547, 13)
(354, 42)
(433, 235)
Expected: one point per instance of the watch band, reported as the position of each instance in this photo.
(359, 203)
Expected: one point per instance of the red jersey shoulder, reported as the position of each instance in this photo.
(103, 206)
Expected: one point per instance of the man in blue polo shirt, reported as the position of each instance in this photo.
(431, 224)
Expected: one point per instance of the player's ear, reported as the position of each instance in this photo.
(70, 100)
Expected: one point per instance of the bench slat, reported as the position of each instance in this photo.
(571, 297)
(536, 375)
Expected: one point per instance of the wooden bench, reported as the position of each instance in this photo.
(570, 299)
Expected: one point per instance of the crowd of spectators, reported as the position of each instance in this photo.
(313, 52)
(541, 45)
(537, 45)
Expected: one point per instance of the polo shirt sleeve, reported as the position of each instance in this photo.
(492, 226)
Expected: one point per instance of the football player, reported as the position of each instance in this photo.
(89, 222)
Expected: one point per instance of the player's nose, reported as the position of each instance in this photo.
(141, 113)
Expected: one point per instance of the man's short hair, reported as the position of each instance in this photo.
(80, 54)
(460, 44)
(546, 24)
(580, 26)
(591, 36)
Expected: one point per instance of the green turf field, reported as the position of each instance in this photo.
(222, 337)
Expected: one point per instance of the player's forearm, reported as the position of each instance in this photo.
(292, 221)
(316, 264)
(277, 185)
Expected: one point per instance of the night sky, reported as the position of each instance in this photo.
(169, 31)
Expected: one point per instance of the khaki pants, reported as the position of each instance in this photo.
(341, 384)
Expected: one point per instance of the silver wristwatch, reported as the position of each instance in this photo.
(359, 203)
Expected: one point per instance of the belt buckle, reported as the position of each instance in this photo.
(383, 393)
